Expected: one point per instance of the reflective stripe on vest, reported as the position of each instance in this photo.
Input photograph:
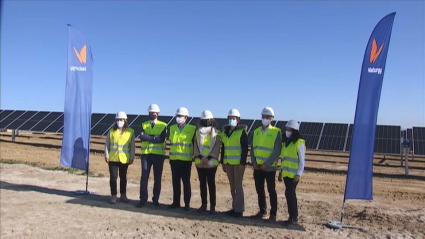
(151, 148)
(206, 144)
(119, 145)
(232, 147)
(263, 144)
(181, 147)
(290, 160)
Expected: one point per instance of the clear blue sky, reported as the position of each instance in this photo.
(303, 58)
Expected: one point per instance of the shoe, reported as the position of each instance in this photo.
(156, 203)
(172, 206)
(272, 218)
(141, 204)
(212, 210)
(203, 208)
(237, 214)
(114, 199)
(230, 212)
(124, 198)
(186, 208)
(290, 221)
(259, 215)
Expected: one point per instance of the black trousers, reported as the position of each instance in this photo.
(207, 176)
(116, 168)
(180, 172)
(260, 178)
(291, 197)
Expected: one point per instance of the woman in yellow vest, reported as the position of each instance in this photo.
(119, 153)
(234, 152)
(206, 152)
(181, 152)
(292, 167)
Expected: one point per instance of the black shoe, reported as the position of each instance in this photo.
(230, 212)
(237, 214)
(290, 222)
(186, 208)
(212, 210)
(141, 204)
(259, 215)
(203, 208)
(272, 218)
(156, 203)
(172, 206)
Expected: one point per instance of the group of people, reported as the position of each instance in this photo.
(208, 147)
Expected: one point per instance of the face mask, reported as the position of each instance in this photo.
(179, 120)
(205, 123)
(265, 122)
(232, 122)
(288, 134)
(120, 124)
(205, 130)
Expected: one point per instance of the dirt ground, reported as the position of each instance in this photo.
(41, 203)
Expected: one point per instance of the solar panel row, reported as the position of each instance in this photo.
(318, 135)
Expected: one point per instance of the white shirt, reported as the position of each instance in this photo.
(301, 157)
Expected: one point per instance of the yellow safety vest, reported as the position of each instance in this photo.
(119, 150)
(207, 147)
(181, 147)
(151, 148)
(264, 144)
(290, 159)
(232, 147)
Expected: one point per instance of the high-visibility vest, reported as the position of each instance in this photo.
(119, 145)
(290, 159)
(264, 144)
(207, 147)
(232, 147)
(151, 148)
(181, 147)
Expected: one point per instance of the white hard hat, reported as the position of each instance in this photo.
(293, 124)
(268, 111)
(234, 112)
(153, 108)
(206, 114)
(121, 115)
(182, 111)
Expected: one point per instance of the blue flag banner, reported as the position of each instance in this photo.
(78, 102)
(360, 167)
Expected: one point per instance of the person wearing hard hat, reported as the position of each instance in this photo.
(234, 152)
(293, 161)
(181, 152)
(119, 153)
(265, 149)
(206, 152)
(153, 135)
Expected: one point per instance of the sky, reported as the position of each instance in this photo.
(302, 58)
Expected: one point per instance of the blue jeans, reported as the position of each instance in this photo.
(149, 160)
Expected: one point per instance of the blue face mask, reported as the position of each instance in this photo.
(232, 122)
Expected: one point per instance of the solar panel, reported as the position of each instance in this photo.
(10, 118)
(33, 121)
(21, 120)
(419, 140)
(387, 139)
(311, 132)
(96, 118)
(333, 137)
(194, 121)
(55, 125)
(103, 124)
(5, 113)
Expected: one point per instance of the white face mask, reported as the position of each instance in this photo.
(205, 130)
(265, 122)
(233, 122)
(288, 134)
(179, 120)
(120, 124)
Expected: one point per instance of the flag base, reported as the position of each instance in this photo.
(337, 225)
(84, 192)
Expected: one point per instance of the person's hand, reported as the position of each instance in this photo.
(204, 160)
(264, 167)
(224, 168)
(241, 167)
(256, 167)
(296, 178)
(107, 160)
